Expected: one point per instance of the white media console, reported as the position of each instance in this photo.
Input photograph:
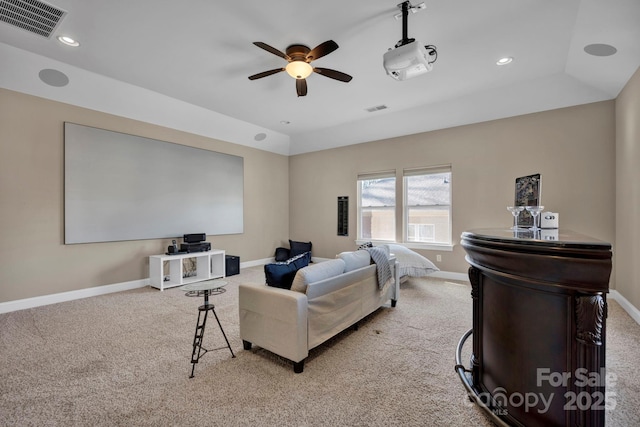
(209, 265)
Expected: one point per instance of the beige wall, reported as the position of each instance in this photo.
(33, 258)
(628, 191)
(573, 149)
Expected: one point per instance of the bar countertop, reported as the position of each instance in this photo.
(559, 238)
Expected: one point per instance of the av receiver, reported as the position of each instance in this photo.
(194, 238)
(195, 247)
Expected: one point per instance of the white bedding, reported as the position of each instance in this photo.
(412, 263)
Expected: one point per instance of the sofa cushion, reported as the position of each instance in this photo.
(281, 274)
(298, 248)
(365, 245)
(282, 254)
(316, 272)
(355, 260)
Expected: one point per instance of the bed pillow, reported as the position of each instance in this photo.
(317, 272)
(298, 248)
(355, 260)
(412, 263)
(281, 274)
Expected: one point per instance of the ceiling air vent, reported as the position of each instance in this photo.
(376, 108)
(32, 15)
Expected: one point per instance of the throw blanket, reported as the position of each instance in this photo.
(381, 258)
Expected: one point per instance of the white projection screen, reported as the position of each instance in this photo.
(124, 187)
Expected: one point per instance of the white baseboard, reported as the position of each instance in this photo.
(624, 303)
(256, 262)
(9, 306)
(264, 261)
(22, 304)
(450, 275)
(613, 294)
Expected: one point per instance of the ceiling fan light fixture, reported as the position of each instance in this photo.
(299, 69)
(298, 66)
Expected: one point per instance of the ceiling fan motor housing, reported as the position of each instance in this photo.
(298, 52)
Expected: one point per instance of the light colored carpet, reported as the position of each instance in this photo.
(124, 359)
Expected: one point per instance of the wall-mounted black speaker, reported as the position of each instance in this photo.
(343, 216)
(195, 238)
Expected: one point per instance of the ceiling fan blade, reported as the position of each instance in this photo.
(265, 73)
(272, 50)
(301, 87)
(321, 50)
(333, 74)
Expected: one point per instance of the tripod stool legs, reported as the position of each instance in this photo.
(198, 350)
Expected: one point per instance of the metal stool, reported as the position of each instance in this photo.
(206, 289)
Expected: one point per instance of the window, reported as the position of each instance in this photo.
(421, 232)
(422, 205)
(377, 206)
(427, 205)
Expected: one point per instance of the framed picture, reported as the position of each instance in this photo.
(528, 191)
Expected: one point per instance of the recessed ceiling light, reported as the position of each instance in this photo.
(68, 41)
(284, 122)
(260, 136)
(504, 61)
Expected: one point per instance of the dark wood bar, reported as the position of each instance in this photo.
(539, 326)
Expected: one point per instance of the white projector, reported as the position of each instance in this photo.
(409, 60)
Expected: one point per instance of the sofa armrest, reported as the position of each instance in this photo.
(274, 319)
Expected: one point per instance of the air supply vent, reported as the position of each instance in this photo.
(32, 15)
(376, 108)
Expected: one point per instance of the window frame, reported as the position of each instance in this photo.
(371, 176)
(442, 246)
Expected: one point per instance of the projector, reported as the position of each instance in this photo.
(409, 60)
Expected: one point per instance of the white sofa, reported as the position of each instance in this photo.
(325, 299)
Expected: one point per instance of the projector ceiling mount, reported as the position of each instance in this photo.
(406, 7)
(409, 58)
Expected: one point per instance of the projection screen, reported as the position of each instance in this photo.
(125, 187)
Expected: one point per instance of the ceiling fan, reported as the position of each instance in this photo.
(299, 57)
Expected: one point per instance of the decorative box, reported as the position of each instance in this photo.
(549, 220)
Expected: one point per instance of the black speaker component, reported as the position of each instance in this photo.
(232, 265)
(194, 238)
(173, 249)
(343, 216)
